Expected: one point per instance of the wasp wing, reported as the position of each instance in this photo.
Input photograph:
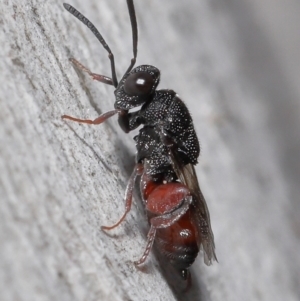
(187, 175)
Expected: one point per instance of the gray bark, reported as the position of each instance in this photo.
(60, 181)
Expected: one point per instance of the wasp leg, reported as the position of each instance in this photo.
(128, 196)
(163, 221)
(101, 78)
(98, 120)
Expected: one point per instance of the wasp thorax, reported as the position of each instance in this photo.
(138, 84)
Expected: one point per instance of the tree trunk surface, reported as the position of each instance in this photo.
(61, 181)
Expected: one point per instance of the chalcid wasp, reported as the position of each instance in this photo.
(167, 151)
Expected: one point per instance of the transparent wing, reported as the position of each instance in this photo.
(187, 175)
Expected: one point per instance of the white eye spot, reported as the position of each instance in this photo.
(140, 81)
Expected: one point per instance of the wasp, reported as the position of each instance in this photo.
(167, 152)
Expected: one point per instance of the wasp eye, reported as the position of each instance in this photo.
(138, 84)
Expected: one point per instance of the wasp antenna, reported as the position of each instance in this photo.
(134, 29)
(97, 34)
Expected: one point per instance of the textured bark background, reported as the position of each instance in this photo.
(236, 65)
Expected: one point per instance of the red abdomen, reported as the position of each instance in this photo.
(178, 241)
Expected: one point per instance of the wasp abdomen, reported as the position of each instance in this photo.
(166, 197)
(179, 242)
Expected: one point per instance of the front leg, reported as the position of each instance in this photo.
(98, 120)
(101, 78)
(129, 121)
